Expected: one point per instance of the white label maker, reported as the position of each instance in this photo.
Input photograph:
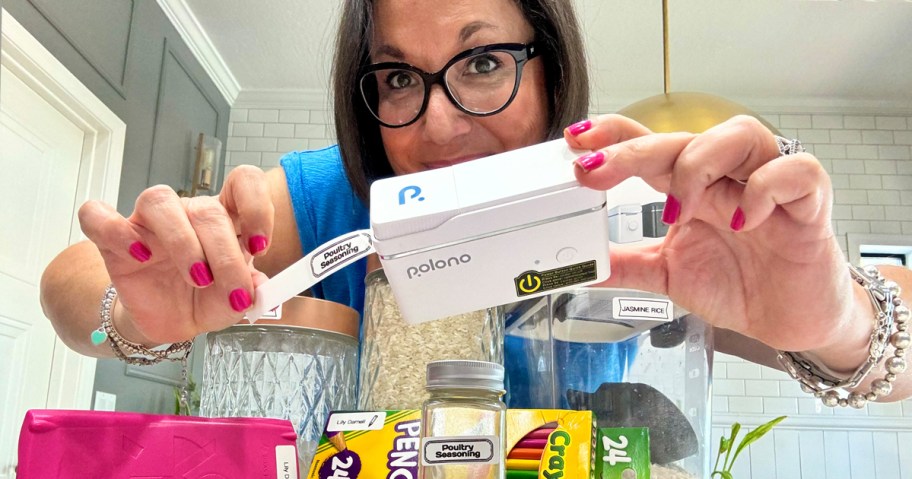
(488, 232)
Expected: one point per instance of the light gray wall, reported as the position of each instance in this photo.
(131, 57)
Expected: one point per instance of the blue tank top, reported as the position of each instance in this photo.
(325, 206)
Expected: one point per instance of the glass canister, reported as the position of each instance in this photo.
(395, 354)
(463, 422)
(299, 367)
(634, 358)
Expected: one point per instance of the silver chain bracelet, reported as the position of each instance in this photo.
(788, 147)
(128, 351)
(891, 323)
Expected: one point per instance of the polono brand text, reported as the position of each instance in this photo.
(436, 264)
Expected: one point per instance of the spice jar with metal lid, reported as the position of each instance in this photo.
(394, 353)
(298, 367)
(463, 421)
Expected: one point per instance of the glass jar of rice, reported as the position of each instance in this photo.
(395, 354)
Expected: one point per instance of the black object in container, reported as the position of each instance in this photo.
(653, 227)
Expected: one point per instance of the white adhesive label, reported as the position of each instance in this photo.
(339, 253)
(460, 450)
(273, 314)
(356, 421)
(642, 308)
(286, 462)
(307, 271)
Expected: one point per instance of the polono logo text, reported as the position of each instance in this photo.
(436, 264)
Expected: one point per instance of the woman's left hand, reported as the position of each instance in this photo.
(751, 246)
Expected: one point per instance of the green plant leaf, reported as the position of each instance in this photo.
(723, 445)
(193, 398)
(736, 427)
(756, 434)
(177, 402)
(723, 474)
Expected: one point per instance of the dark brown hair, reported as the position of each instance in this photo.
(557, 36)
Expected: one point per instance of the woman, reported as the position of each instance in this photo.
(750, 248)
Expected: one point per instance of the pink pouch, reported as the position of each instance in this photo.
(105, 445)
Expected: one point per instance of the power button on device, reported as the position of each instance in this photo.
(566, 255)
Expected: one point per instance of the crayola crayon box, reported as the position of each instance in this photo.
(620, 449)
(540, 444)
(550, 444)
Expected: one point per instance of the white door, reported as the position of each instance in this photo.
(41, 151)
(51, 159)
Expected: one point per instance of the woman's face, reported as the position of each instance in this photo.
(427, 34)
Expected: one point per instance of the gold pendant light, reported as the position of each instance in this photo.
(684, 111)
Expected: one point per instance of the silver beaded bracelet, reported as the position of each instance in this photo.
(789, 146)
(128, 351)
(891, 323)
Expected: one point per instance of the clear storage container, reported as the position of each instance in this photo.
(632, 357)
(299, 367)
(463, 422)
(395, 354)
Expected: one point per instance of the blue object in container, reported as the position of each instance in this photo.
(569, 341)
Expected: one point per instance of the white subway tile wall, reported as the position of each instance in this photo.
(869, 158)
(260, 136)
(869, 163)
(789, 454)
(871, 172)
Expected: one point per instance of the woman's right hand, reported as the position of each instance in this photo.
(183, 266)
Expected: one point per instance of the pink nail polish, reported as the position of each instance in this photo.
(737, 221)
(140, 252)
(239, 299)
(580, 127)
(256, 244)
(591, 161)
(201, 274)
(672, 210)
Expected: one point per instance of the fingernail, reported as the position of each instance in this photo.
(737, 221)
(239, 299)
(580, 127)
(201, 274)
(256, 244)
(140, 252)
(591, 161)
(672, 210)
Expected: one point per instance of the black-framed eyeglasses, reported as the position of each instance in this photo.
(481, 81)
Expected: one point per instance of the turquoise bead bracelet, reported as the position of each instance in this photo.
(128, 351)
